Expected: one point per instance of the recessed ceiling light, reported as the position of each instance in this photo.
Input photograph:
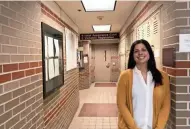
(101, 27)
(98, 5)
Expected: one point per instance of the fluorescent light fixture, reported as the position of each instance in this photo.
(98, 5)
(101, 27)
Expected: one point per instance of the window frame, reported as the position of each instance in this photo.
(48, 31)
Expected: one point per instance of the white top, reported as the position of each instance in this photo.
(142, 94)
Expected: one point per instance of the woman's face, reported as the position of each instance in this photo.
(141, 55)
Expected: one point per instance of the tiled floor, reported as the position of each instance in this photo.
(105, 85)
(97, 109)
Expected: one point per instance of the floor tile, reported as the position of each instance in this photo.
(105, 84)
(97, 109)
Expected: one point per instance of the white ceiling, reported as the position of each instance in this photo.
(85, 20)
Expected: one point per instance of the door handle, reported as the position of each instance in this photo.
(108, 65)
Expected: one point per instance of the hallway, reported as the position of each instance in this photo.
(97, 109)
(52, 53)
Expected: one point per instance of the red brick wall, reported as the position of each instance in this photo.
(84, 77)
(115, 71)
(176, 21)
(20, 66)
(61, 106)
(22, 105)
(92, 66)
(84, 74)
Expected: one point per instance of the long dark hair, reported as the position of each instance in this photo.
(151, 65)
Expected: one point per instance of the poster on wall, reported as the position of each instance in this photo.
(184, 45)
(56, 47)
(85, 59)
(71, 46)
(50, 47)
(46, 46)
(51, 68)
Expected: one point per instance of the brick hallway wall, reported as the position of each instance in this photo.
(84, 77)
(92, 66)
(84, 74)
(21, 103)
(114, 64)
(60, 107)
(176, 21)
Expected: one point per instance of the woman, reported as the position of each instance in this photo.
(143, 92)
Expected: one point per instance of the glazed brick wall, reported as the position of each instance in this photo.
(61, 106)
(84, 73)
(84, 77)
(92, 66)
(21, 104)
(114, 69)
(115, 72)
(176, 21)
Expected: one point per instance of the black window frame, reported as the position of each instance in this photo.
(58, 81)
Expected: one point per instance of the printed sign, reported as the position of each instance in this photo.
(99, 36)
(184, 45)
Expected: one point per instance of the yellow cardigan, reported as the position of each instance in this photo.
(161, 102)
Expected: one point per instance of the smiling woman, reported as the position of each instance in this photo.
(143, 92)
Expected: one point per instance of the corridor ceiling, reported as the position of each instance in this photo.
(85, 20)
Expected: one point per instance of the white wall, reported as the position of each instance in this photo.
(140, 5)
(121, 52)
(60, 13)
(148, 16)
